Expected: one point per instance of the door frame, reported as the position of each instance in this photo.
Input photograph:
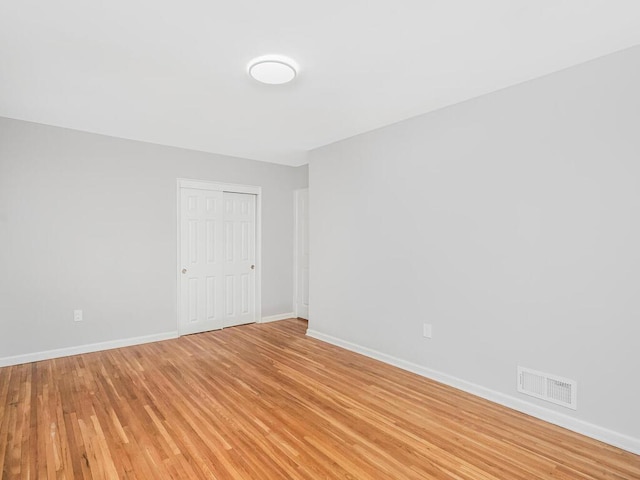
(220, 187)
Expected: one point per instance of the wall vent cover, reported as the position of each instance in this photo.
(558, 390)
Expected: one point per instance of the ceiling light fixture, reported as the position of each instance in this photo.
(273, 69)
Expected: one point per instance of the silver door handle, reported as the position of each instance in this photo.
(184, 270)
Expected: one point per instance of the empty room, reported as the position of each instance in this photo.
(320, 240)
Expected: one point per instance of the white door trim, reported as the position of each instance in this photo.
(221, 187)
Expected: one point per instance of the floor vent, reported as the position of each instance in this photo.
(551, 388)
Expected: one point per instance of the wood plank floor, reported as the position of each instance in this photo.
(265, 402)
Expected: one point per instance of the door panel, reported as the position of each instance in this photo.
(201, 253)
(239, 265)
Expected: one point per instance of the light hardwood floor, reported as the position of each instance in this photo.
(265, 402)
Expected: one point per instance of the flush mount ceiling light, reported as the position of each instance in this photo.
(273, 69)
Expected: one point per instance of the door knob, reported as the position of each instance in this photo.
(184, 270)
(252, 267)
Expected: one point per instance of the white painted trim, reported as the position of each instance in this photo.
(179, 185)
(231, 188)
(258, 286)
(275, 318)
(90, 348)
(597, 432)
(220, 187)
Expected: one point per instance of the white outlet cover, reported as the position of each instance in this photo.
(426, 330)
(77, 315)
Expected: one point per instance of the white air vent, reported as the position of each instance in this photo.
(551, 388)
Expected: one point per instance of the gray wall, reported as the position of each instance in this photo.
(89, 221)
(511, 223)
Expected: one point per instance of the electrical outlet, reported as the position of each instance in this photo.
(426, 330)
(77, 315)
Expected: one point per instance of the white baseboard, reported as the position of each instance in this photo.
(602, 434)
(275, 318)
(93, 347)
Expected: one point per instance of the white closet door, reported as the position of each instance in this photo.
(302, 253)
(201, 246)
(239, 211)
(218, 256)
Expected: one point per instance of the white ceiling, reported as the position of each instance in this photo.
(173, 72)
